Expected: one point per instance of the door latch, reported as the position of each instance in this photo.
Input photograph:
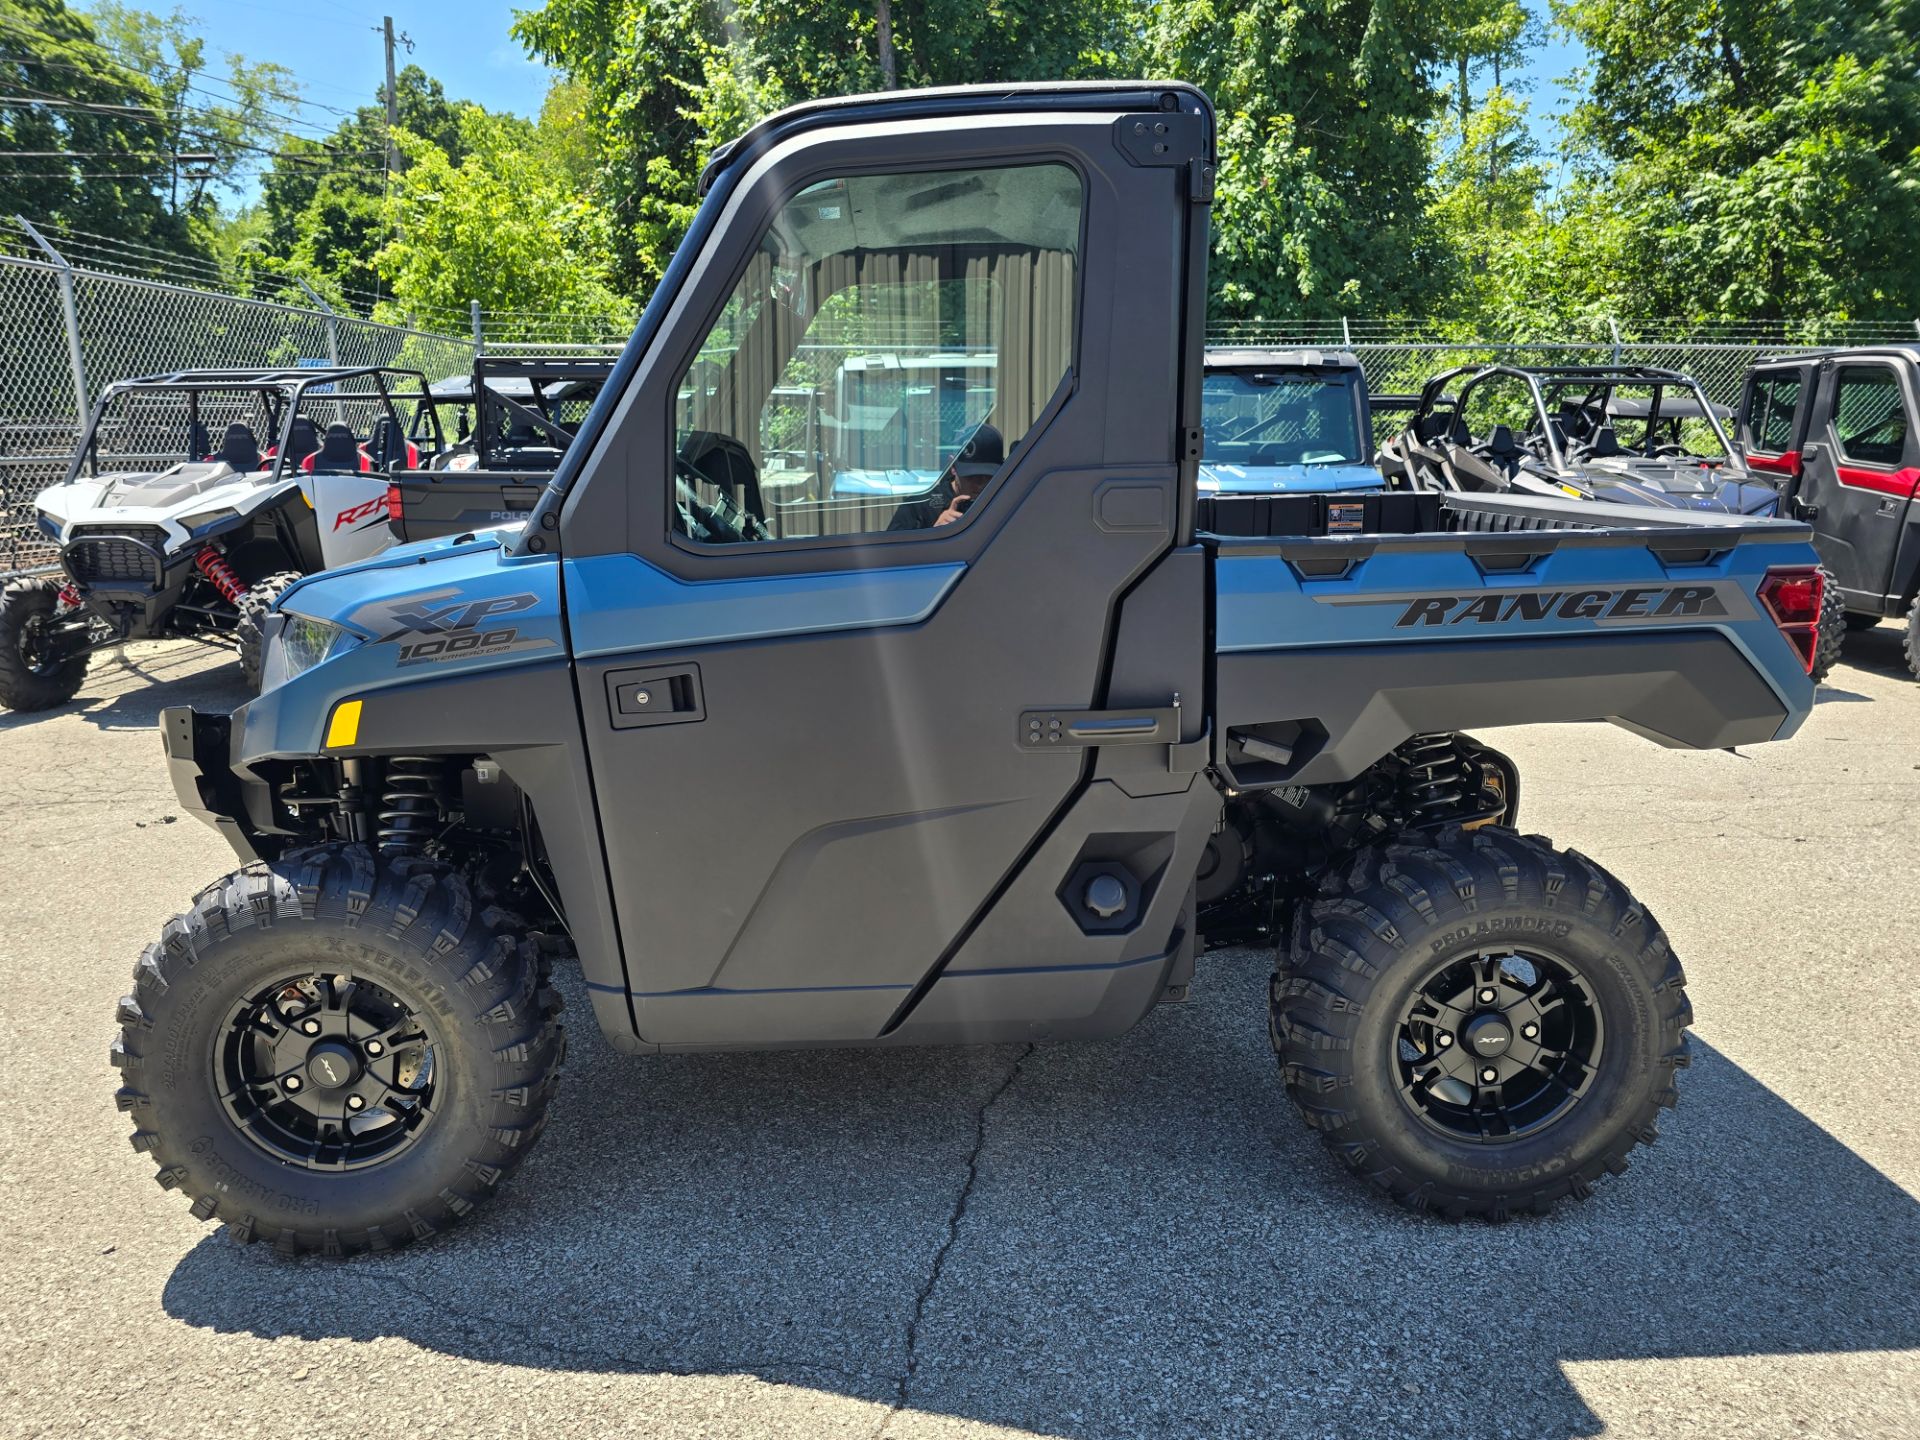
(657, 695)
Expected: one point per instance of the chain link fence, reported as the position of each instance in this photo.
(66, 332)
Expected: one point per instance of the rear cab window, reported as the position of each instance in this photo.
(1776, 402)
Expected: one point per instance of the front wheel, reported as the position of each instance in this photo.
(1480, 1025)
(41, 664)
(338, 1055)
(249, 635)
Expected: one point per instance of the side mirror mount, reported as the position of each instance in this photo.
(1811, 453)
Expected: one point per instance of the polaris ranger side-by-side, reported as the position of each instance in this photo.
(194, 499)
(975, 766)
(1839, 432)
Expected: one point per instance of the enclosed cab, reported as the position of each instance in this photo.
(1838, 432)
(993, 762)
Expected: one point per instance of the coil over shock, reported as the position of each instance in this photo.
(1437, 778)
(219, 573)
(408, 814)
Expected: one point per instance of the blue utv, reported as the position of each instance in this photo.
(991, 763)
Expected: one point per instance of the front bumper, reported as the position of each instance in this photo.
(211, 787)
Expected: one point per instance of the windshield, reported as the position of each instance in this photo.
(1252, 418)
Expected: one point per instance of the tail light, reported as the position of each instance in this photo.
(1792, 597)
(396, 505)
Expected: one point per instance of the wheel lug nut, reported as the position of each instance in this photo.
(312, 1027)
(1444, 1040)
(1489, 1075)
(374, 1047)
(1486, 997)
(354, 1102)
(293, 1082)
(1530, 1030)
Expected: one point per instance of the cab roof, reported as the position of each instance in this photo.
(1248, 357)
(958, 100)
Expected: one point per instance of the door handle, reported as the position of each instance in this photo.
(655, 695)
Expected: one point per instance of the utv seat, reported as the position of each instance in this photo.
(303, 438)
(338, 451)
(1606, 443)
(390, 449)
(1503, 451)
(239, 449)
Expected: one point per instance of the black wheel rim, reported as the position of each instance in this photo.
(327, 1072)
(38, 650)
(1498, 1045)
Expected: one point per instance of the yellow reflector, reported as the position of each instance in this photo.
(344, 728)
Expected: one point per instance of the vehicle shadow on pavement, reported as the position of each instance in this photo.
(1878, 651)
(1101, 1241)
(128, 692)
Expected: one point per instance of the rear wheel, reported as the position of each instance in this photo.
(39, 666)
(248, 632)
(338, 1056)
(1480, 1025)
(1910, 644)
(1832, 633)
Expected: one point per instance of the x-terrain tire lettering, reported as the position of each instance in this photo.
(338, 1055)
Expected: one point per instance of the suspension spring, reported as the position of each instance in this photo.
(1436, 777)
(409, 809)
(219, 574)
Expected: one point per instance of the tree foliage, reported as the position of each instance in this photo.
(501, 226)
(1761, 157)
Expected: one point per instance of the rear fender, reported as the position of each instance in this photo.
(1329, 653)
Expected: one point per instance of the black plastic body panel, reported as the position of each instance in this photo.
(434, 503)
(1692, 689)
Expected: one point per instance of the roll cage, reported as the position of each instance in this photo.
(280, 393)
(1547, 385)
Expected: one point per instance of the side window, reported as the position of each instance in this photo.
(892, 343)
(1869, 415)
(1775, 399)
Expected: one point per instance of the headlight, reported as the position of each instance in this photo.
(303, 643)
(49, 526)
(207, 519)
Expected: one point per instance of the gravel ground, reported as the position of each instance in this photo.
(1110, 1240)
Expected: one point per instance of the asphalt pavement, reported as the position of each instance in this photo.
(1099, 1241)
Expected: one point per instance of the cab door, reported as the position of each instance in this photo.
(1861, 469)
(811, 715)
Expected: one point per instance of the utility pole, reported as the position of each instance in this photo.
(883, 32)
(393, 99)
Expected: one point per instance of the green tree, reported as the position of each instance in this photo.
(1762, 156)
(1322, 206)
(99, 105)
(502, 226)
(665, 82)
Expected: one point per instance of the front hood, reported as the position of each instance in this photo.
(1221, 479)
(413, 553)
(162, 489)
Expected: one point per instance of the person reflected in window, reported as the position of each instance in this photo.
(978, 461)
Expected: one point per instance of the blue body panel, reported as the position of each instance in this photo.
(509, 605)
(1388, 596)
(620, 603)
(1224, 479)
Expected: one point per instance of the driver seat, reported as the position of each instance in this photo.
(338, 451)
(1605, 443)
(239, 449)
(1503, 450)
